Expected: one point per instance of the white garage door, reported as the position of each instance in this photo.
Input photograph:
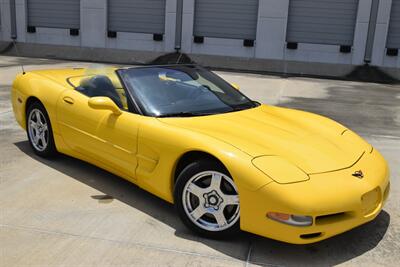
(54, 13)
(393, 40)
(322, 21)
(142, 16)
(236, 19)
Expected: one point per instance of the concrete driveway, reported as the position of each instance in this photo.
(67, 212)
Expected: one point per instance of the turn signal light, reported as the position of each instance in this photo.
(296, 220)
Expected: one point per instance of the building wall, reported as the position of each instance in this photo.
(93, 29)
(379, 56)
(270, 43)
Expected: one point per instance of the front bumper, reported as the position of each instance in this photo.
(337, 201)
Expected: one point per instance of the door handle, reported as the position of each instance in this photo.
(68, 100)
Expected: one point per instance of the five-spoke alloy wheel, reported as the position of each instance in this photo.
(207, 199)
(39, 130)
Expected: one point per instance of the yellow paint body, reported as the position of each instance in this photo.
(281, 160)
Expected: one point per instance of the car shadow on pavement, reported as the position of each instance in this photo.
(264, 251)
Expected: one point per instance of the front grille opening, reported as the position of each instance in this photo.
(331, 218)
(312, 235)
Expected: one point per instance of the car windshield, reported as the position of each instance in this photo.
(182, 90)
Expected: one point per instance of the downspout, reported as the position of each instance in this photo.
(178, 27)
(13, 20)
(371, 31)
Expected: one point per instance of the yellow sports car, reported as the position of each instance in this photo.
(191, 138)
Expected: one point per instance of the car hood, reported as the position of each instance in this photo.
(311, 142)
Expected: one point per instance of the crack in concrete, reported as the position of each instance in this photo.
(248, 255)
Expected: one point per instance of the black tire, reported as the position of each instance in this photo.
(50, 149)
(186, 174)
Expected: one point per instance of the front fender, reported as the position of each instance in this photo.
(160, 146)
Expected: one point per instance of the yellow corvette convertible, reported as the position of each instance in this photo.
(225, 161)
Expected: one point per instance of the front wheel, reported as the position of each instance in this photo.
(207, 199)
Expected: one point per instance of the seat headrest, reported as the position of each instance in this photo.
(101, 85)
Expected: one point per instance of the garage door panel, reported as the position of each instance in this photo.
(322, 21)
(325, 4)
(139, 19)
(141, 16)
(318, 22)
(235, 19)
(393, 40)
(304, 37)
(223, 25)
(54, 13)
(326, 13)
(238, 8)
(142, 11)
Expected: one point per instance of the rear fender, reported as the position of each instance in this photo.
(30, 85)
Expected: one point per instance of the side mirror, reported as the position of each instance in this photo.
(234, 85)
(104, 103)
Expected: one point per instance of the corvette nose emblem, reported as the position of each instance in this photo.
(358, 174)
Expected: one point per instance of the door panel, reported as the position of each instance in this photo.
(98, 134)
(119, 134)
(78, 122)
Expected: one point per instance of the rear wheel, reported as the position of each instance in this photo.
(39, 130)
(207, 199)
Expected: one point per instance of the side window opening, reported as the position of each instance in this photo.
(101, 85)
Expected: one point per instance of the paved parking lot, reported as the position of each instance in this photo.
(67, 212)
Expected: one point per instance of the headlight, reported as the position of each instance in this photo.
(279, 169)
(296, 220)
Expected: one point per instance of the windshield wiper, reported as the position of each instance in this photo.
(253, 104)
(183, 114)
